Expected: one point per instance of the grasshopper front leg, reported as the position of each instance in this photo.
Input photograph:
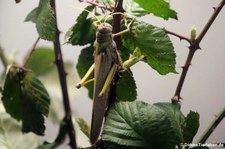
(85, 80)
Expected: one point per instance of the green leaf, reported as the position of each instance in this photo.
(160, 8)
(176, 118)
(83, 32)
(123, 52)
(133, 8)
(41, 61)
(44, 19)
(126, 87)
(154, 44)
(85, 61)
(83, 126)
(11, 136)
(25, 98)
(139, 125)
(191, 126)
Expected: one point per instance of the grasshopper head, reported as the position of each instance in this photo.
(104, 33)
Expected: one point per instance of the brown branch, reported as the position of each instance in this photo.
(62, 76)
(31, 52)
(194, 45)
(117, 20)
(115, 29)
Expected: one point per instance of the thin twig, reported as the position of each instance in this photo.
(212, 127)
(181, 37)
(31, 52)
(3, 58)
(194, 45)
(211, 20)
(63, 82)
(96, 4)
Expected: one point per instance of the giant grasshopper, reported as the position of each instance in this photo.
(106, 62)
(105, 65)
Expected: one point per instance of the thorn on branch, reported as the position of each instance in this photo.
(182, 67)
(176, 99)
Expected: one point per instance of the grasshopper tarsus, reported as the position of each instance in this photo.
(78, 85)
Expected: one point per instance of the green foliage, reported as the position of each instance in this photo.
(83, 32)
(44, 20)
(25, 98)
(160, 8)
(83, 126)
(41, 61)
(126, 87)
(175, 116)
(140, 125)
(154, 44)
(191, 126)
(11, 136)
(133, 8)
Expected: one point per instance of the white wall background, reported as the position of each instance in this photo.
(203, 90)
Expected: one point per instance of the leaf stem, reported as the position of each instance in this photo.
(194, 46)
(31, 52)
(63, 82)
(3, 58)
(212, 126)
